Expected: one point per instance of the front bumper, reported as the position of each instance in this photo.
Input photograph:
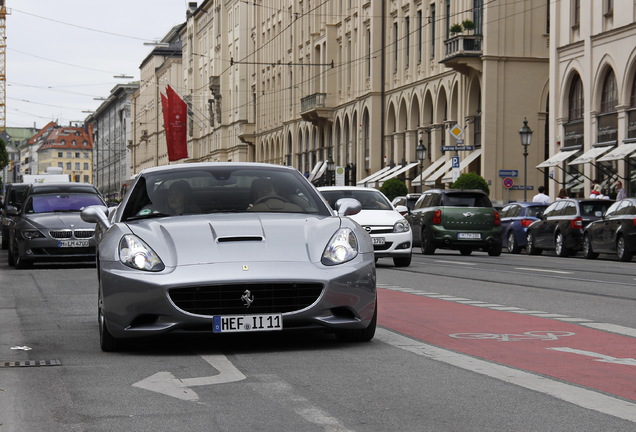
(139, 304)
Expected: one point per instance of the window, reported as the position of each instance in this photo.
(609, 7)
(609, 96)
(69, 155)
(478, 15)
(77, 166)
(368, 59)
(575, 99)
(74, 143)
(60, 154)
(68, 165)
(448, 15)
(77, 155)
(407, 38)
(85, 166)
(395, 47)
(85, 143)
(576, 13)
(433, 18)
(60, 165)
(420, 29)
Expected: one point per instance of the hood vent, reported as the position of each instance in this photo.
(239, 239)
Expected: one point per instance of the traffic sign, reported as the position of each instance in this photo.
(508, 173)
(455, 161)
(458, 148)
(456, 131)
(507, 182)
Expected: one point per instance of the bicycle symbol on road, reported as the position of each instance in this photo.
(531, 335)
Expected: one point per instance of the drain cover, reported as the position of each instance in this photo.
(30, 363)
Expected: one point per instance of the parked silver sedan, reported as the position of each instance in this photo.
(231, 247)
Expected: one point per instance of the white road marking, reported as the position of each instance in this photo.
(543, 270)
(612, 328)
(585, 398)
(456, 262)
(599, 357)
(166, 383)
(282, 393)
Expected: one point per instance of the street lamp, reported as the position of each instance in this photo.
(420, 154)
(526, 137)
(330, 170)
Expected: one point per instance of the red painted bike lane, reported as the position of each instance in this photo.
(562, 350)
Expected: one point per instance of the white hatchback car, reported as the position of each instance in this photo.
(390, 232)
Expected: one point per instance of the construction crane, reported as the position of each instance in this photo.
(3, 66)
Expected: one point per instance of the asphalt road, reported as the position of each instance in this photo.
(477, 343)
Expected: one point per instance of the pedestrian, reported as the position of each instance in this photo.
(562, 194)
(596, 186)
(541, 197)
(620, 192)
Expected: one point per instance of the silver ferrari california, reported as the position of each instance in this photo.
(231, 247)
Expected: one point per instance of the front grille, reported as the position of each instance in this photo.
(67, 233)
(226, 299)
(381, 247)
(61, 234)
(64, 251)
(378, 230)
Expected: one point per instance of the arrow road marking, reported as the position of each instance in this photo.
(600, 357)
(166, 383)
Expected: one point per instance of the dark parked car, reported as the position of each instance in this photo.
(561, 225)
(48, 226)
(614, 233)
(515, 220)
(12, 197)
(407, 201)
(457, 219)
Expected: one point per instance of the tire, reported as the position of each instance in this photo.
(559, 246)
(465, 251)
(588, 253)
(495, 250)
(512, 244)
(5, 239)
(364, 335)
(107, 342)
(623, 254)
(427, 245)
(19, 262)
(402, 261)
(10, 258)
(530, 247)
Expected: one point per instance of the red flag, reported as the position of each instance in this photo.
(175, 112)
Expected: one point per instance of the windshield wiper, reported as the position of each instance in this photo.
(148, 216)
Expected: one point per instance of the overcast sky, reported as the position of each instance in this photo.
(61, 54)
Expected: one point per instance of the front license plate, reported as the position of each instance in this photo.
(246, 323)
(378, 240)
(72, 243)
(472, 236)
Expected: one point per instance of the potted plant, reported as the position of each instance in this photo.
(455, 28)
(468, 25)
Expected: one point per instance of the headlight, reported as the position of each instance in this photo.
(342, 247)
(401, 226)
(135, 253)
(31, 234)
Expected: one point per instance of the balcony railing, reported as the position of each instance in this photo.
(311, 102)
(314, 108)
(463, 45)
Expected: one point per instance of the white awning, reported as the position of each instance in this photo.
(378, 175)
(620, 152)
(321, 171)
(417, 181)
(398, 172)
(430, 180)
(556, 159)
(373, 176)
(590, 155)
(314, 171)
(463, 163)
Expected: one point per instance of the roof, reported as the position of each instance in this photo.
(63, 137)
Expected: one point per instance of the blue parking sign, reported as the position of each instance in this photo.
(455, 160)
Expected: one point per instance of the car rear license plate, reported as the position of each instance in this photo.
(246, 323)
(73, 243)
(471, 236)
(378, 240)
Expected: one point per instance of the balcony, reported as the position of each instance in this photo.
(463, 52)
(314, 108)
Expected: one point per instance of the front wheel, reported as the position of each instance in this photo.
(427, 245)
(107, 342)
(588, 253)
(495, 249)
(621, 250)
(402, 261)
(530, 246)
(512, 244)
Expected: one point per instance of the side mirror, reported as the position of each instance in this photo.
(12, 211)
(96, 214)
(403, 210)
(348, 207)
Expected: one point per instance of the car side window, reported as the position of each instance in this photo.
(550, 211)
(616, 208)
(424, 201)
(569, 209)
(515, 211)
(504, 211)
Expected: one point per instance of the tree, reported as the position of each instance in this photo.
(393, 188)
(468, 25)
(471, 181)
(456, 28)
(4, 156)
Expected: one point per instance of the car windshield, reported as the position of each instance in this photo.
(370, 199)
(466, 200)
(589, 208)
(221, 189)
(61, 202)
(535, 211)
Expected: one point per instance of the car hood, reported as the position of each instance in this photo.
(59, 220)
(245, 237)
(377, 217)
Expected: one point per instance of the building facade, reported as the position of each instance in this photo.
(15, 138)
(593, 96)
(111, 127)
(69, 148)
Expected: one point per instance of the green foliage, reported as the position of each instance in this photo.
(393, 188)
(468, 25)
(4, 155)
(456, 28)
(471, 181)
